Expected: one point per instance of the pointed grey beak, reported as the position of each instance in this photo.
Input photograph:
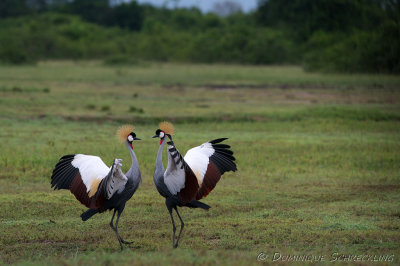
(137, 139)
(155, 136)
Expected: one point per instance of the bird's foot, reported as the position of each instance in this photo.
(175, 245)
(126, 242)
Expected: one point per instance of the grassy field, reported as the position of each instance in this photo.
(318, 159)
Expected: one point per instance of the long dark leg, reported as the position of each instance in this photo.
(182, 225)
(173, 227)
(115, 227)
(112, 220)
(116, 231)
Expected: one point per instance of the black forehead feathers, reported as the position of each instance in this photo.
(133, 134)
(158, 131)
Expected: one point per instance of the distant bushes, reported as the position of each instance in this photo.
(338, 35)
(57, 36)
(52, 36)
(325, 35)
(362, 51)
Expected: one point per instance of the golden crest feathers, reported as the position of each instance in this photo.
(167, 127)
(124, 131)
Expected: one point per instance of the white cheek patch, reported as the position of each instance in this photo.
(130, 138)
(162, 134)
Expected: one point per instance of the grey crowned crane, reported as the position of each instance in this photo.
(189, 179)
(97, 186)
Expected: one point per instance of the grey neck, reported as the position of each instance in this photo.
(159, 164)
(133, 173)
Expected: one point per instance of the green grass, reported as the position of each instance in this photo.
(318, 159)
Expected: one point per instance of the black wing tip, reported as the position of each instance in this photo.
(221, 146)
(223, 156)
(223, 164)
(60, 178)
(64, 159)
(68, 156)
(215, 141)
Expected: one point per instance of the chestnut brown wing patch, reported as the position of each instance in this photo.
(211, 178)
(188, 193)
(78, 188)
(66, 176)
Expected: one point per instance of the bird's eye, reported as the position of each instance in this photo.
(162, 134)
(130, 138)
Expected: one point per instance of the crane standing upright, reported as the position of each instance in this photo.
(97, 186)
(189, 179)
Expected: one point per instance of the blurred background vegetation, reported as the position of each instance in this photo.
(324, 35)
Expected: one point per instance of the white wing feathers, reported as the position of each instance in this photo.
(198, 159)
(174, 175)
(91, 168)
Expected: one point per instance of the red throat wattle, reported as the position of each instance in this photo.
(131, 145)
(161, 141)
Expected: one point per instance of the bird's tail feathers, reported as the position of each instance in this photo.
(87, 214)
(198, 204)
